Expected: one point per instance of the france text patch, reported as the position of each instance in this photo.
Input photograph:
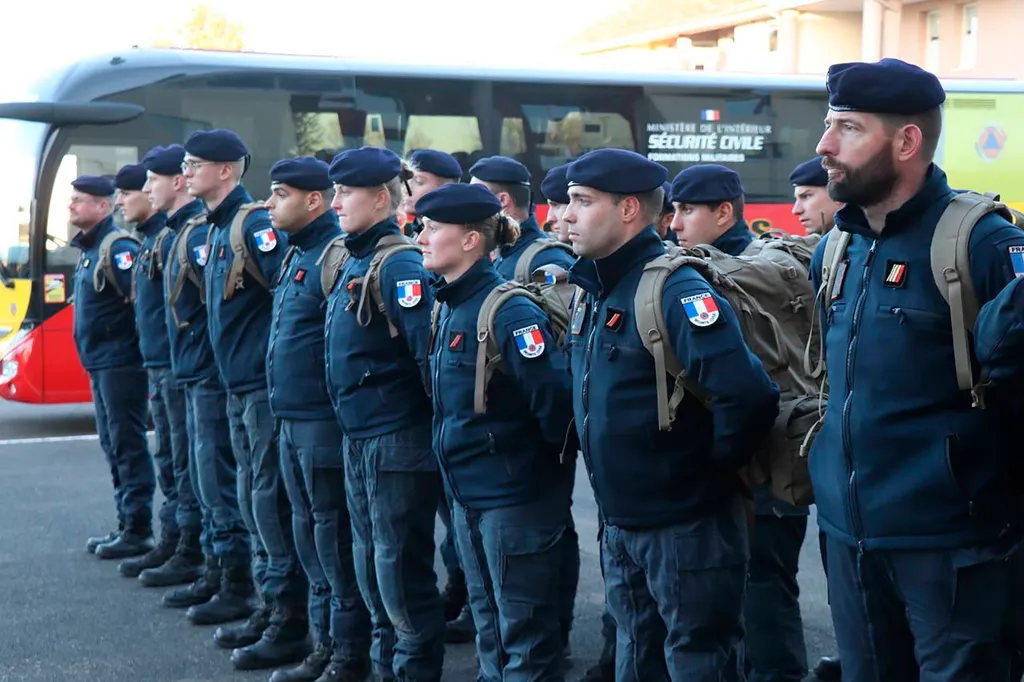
(529, 341)
(1017, 260)
(123, 260)
(266, 240)
(410, 292)
(700, 309)
(201, 253)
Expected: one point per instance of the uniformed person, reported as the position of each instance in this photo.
(668, 213)
(674, 542)
(431, 169)
(811, 203)
(709, 199)
(509, 180)
(108, 348)
(555, 189)
(166, 403)
(312, 465)
(375, 359)
(224, 540)
(239, 309)
(510, 520)
(912, 483)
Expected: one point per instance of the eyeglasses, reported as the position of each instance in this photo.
(193, 165)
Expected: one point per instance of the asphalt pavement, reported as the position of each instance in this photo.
(67, 616)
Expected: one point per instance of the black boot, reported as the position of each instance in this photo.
(828, 669)
(132, 542)
(285, 641)
(245, 633)
(311, 668)
(454, 595)
(151, 559)
(603, 671)
(92, 543)
(346, 670)
(199, 592)
(183, 567)
(231, 602)
(462, 630)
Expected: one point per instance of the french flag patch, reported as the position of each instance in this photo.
(123, 260)
(266, 240)
(410, 292)
(529, 341)
(701, 309)
(201, 252)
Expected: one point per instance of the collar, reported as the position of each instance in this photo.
(936, 187)
(600, 276)
(363, 243)
(152, 224)
(86, 239)
(734, 240)
(185, 213)
(232, 201)
(320, 229)
(480, 275)
(529, 231)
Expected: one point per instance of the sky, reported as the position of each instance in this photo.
(43, 35)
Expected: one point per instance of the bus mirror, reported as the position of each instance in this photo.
(71, 113)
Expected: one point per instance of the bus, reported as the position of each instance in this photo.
(104, 112)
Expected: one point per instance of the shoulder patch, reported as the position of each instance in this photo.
(410, 292)
(266, 240)
(123, 260)
(700, 309)
(1017, 260)
(529, 341)
(201, 253)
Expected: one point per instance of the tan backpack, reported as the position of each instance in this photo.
(241, 262)
(333, 259)
(773, 301)
(104, 270)
(524, 266)
(185, 269)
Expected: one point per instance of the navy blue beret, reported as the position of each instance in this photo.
(221, 146)
(458, 204)
(616, 171)
(889, 86)
(666, 202)
(131, 177)
(365, 167)
(96, 185)
(555, 186)
(164, 160)
(441, 164)
(706, 183)
(809, 174)
(501, 169)
(305, 173)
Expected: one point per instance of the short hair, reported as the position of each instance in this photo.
(522, 196)
(929, 122)
(651, 203)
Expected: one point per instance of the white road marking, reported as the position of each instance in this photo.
(57, 439)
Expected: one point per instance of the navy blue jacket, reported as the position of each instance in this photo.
(903, 461)
(296, 369)
(149, 294)
(510, 455)
(240, 328)
(735, 240)
(999, 334)
(508, 256)
(377, 381)
(191, 353)
(105, 332)
(643, 477)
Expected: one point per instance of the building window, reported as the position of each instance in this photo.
(969, 38)
(932, 47)
(773, 39)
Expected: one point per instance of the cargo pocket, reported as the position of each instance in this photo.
(406, 450)
(981, 590)
(530, 557)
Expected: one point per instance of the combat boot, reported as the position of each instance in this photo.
(285, 641)
(346, 670)
(157, 556)
(200, 591)
(92, 543)
(231, 602)
(311, 668)
(246, 633)
(454, 595)
(462, 630)
(183, 567)
(131, 542)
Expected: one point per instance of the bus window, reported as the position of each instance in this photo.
(20, 141)
(315, 132)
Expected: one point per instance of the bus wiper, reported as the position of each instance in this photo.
(4, 278)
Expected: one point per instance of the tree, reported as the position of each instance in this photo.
(206, 29)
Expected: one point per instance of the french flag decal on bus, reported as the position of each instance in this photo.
(710, 115)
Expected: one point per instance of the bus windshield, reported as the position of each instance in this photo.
(21, 142)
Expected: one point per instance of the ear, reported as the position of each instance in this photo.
(724, 213)
(383, 199)
(471, 241)
(630, 209)
(314, 201)
(179, 183)
(908, 142)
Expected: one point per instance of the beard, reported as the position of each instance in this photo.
(868, 185)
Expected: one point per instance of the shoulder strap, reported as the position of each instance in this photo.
(836, 242)
(650, 323)
(158, 248)
(435, 319)
(488, 353)
(524, 266)
(331, 262)
(386, 247)
(185, 269)
(240, 261)
(104, 270)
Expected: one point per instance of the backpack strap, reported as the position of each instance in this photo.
(488, 353)
(185, 269)
(524, 266)
(836, 242)
(650, 323)
(284, 264)
(104, 270)
(331, 262)
(386, 247)
(435, 320)
(158, 247)
(240, 250)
